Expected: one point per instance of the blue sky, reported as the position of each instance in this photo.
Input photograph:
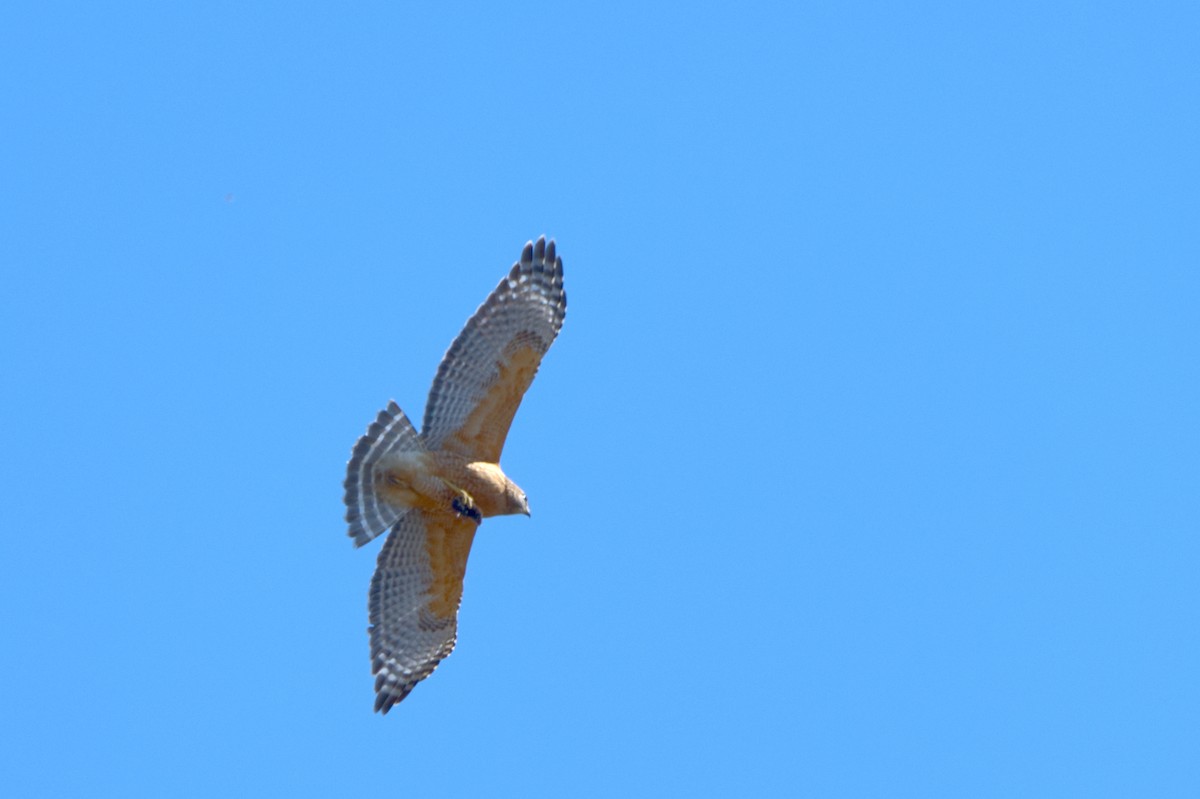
(865, 464)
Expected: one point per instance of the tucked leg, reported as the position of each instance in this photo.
(463, 503)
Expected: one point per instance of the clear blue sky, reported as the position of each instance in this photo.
(866, 463)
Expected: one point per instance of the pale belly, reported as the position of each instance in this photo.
(432, 480)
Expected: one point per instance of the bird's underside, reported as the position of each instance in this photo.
(435, 481)
(430, 490)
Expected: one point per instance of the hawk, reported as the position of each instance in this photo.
(432, 489)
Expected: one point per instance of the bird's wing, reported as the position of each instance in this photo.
(366, 514)
(414, 599)
(488, 368)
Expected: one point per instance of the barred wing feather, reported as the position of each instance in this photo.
(488, 368)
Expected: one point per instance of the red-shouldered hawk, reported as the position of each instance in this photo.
(432, 489)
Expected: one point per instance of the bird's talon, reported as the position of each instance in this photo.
(463, 503)
(466, 508)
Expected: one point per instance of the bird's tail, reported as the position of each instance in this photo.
(366, 514)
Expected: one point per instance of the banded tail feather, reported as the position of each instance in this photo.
(366, 515)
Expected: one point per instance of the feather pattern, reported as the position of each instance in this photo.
(432, 503)
(485, 373)
(366, 514)
(414, 598)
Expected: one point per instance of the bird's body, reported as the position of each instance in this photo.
(431, 481)
(430, 490)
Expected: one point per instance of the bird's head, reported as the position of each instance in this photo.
(517, 502)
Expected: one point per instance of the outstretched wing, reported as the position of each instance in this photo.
(488, 368)
(414, 600)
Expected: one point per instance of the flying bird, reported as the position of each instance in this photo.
(430, 490)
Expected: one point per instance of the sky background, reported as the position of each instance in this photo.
(866, 463)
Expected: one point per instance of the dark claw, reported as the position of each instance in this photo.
(463, 509)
